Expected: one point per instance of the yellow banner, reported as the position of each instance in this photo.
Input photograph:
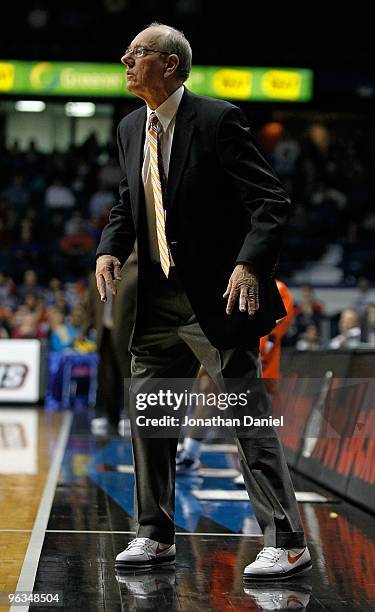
(281, 84)
(232, 83)
(6, 77)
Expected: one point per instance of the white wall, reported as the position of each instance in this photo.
(46, 129)
(102, 127)
(52, 130)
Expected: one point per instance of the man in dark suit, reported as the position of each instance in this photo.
(208, 215)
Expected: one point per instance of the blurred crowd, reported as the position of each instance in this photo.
(53, 208)
(328, 171)
(56, 312)
(313, 329)
(59, 311)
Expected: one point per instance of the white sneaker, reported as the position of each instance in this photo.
(278, 563)
(144, 552)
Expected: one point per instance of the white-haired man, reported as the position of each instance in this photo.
(208, 214)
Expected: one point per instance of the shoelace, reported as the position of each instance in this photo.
(138, 542)
(269, 553)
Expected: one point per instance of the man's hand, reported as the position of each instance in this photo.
(243, 284)
(108, 270)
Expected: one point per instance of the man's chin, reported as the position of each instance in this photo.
(130, 86)
(133, 89)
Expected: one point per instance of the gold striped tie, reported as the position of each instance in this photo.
(153, 131)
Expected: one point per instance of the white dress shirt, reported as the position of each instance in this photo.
(166, 113)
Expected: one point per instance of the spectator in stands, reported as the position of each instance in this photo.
(364, 295)
(30, 300)
(29, 320)
(77, 240)
(17, 193)
(25, 231)
(100, 204)
(5, 316)
(77, 247)
(75, 224)
(110, 174)
(270, 345)
(368, 324)
(61, 302)
(5, 312)
(7, 291)
(29, 285)
(26, 324)
(58, 196)
(309, 340)
(90, 149)
(308, 310)
(367, 225)
(326, 208)
(8, 221)
(53, 291)
(4, 329)
(285, 156)
(37, 305)
(61, 334)
(75, 293)
(350, 331)
(77, 318)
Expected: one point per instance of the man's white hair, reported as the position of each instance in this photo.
(174, 41)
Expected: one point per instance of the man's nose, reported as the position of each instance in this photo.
(127, 59)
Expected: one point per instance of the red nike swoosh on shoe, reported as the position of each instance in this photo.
(292, 559)
(161, 550)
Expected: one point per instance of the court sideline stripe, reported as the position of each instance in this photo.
(15, 530)
(31, 561)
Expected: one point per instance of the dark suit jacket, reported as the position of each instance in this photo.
(225, 205)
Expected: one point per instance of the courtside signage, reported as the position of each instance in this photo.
(19, 370)
(108, 80)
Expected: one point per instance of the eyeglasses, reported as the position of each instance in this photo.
(142, 51)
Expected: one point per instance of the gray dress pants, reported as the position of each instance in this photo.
(169, 343)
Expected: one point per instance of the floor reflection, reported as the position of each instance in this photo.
(290, 596)
(344, 552)
(18, 441)
(155, 590)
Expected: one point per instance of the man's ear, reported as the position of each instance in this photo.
(172, 63)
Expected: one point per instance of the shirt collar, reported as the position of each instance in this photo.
(168, 109)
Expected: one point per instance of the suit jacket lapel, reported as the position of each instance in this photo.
(183, 132)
